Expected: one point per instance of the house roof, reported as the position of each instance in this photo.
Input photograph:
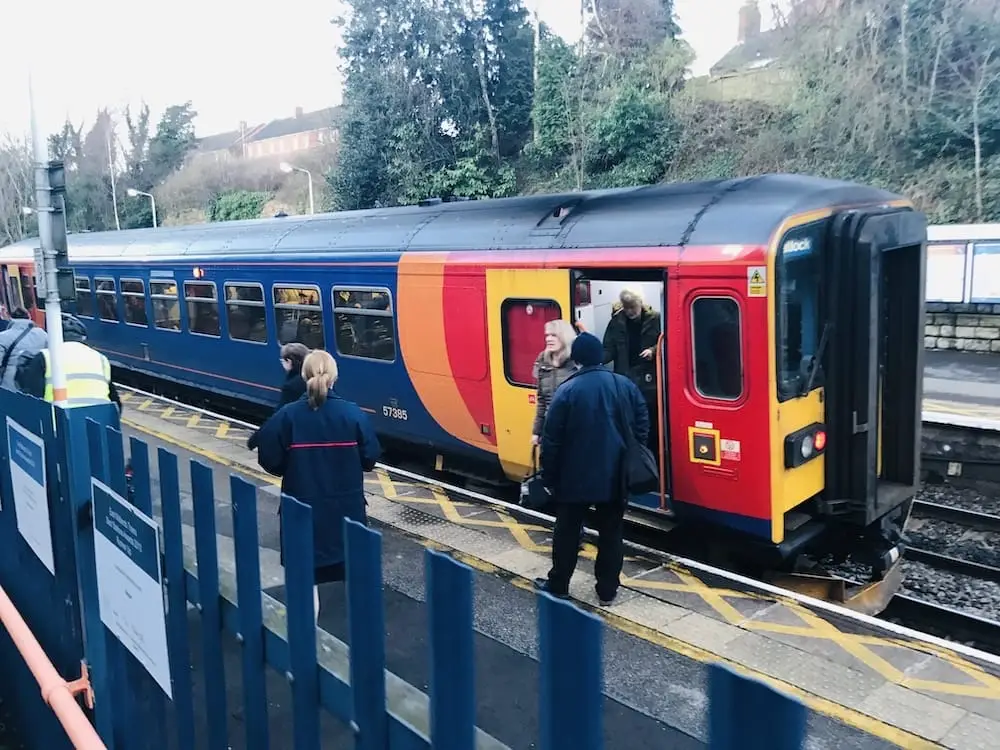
(318, 120)
(757, 52)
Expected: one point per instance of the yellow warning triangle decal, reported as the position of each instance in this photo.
(756, 277)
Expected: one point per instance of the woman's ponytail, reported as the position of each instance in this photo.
(319, 370)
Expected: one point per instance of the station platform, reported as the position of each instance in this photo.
(962, 384)
(867, 684)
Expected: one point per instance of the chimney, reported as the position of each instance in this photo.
(298, 113)
(749, 24)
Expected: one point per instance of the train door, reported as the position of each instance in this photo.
(597, 302)
(519, 303)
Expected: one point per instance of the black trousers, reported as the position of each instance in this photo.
(609, 520)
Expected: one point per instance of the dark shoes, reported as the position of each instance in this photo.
(542, 584)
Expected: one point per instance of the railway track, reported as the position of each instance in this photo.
(909, 612)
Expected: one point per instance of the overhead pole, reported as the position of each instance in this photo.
(51, 258)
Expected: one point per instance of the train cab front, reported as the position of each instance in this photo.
(846, 409)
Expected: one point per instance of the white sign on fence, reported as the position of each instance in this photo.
(31, 499)
(130, 581)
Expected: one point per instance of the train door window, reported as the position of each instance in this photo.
(363, 318)
(107, 299)
(16, 300)
(245, 312)
(28, 289)
(202, 299)
(718, 348)
(134, 293)
(166, 306)
(523, 324)
(84, 298)
(298, 315)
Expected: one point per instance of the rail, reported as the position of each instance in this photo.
(58, 694)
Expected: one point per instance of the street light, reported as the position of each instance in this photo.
(288, 169)
(132, 193)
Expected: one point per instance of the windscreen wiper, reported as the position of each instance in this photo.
(814, 368)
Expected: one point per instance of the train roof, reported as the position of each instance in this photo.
(742, 211)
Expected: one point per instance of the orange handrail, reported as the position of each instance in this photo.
(58, 694)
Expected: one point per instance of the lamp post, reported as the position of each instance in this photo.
(289, 168)
(132, 193)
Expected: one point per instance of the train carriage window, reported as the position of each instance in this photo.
(245, 312)
(718, 347)
(166, 307)
(84, 298)
(364, 322)
(107, 299)
(202, 299)
(134, 292)
(523, 324)
(298, 315)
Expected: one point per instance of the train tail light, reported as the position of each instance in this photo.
(804, 445)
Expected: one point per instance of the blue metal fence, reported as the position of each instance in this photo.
(132, 710)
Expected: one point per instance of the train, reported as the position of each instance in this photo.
(788, 370)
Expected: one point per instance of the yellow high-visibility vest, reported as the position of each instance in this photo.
(88, 374)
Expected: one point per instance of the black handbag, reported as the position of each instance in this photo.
(533, 493)
(640, 470)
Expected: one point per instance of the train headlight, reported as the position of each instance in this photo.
(804, 445)
(806, 448)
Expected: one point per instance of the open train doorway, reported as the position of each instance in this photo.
(626, 310)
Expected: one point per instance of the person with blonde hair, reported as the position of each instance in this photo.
(321, 445)
(553, 366)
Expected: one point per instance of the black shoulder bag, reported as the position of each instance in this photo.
(10, 350)
(640, 471)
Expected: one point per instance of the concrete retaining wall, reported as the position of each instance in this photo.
(967, 327)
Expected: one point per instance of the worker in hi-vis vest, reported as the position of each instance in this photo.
(88, 372)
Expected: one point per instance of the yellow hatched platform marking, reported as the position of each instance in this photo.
(812, 626)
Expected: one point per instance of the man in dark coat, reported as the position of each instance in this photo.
(582, 454)
(629, 345)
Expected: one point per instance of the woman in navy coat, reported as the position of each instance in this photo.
(321, 446)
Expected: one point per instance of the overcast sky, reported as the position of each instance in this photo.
(234, 60)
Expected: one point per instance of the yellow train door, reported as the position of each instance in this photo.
(520, 302)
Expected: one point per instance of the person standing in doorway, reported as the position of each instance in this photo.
(630, 347)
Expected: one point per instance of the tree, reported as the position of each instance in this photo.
(170, 146)
(16, 190)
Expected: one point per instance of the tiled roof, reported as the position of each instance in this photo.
(323, 118)
(757, 52)
(319, 120)
(219, 141)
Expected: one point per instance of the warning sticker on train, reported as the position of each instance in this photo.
(757, 281)
(730, 450)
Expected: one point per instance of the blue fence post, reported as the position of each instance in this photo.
(104, 646)
(203, 497)
(248, 594)
(143, 500)
(452, 679)
(366, 626)
(297, 546)
(746, 714)
(570, 658)
(175, 580)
